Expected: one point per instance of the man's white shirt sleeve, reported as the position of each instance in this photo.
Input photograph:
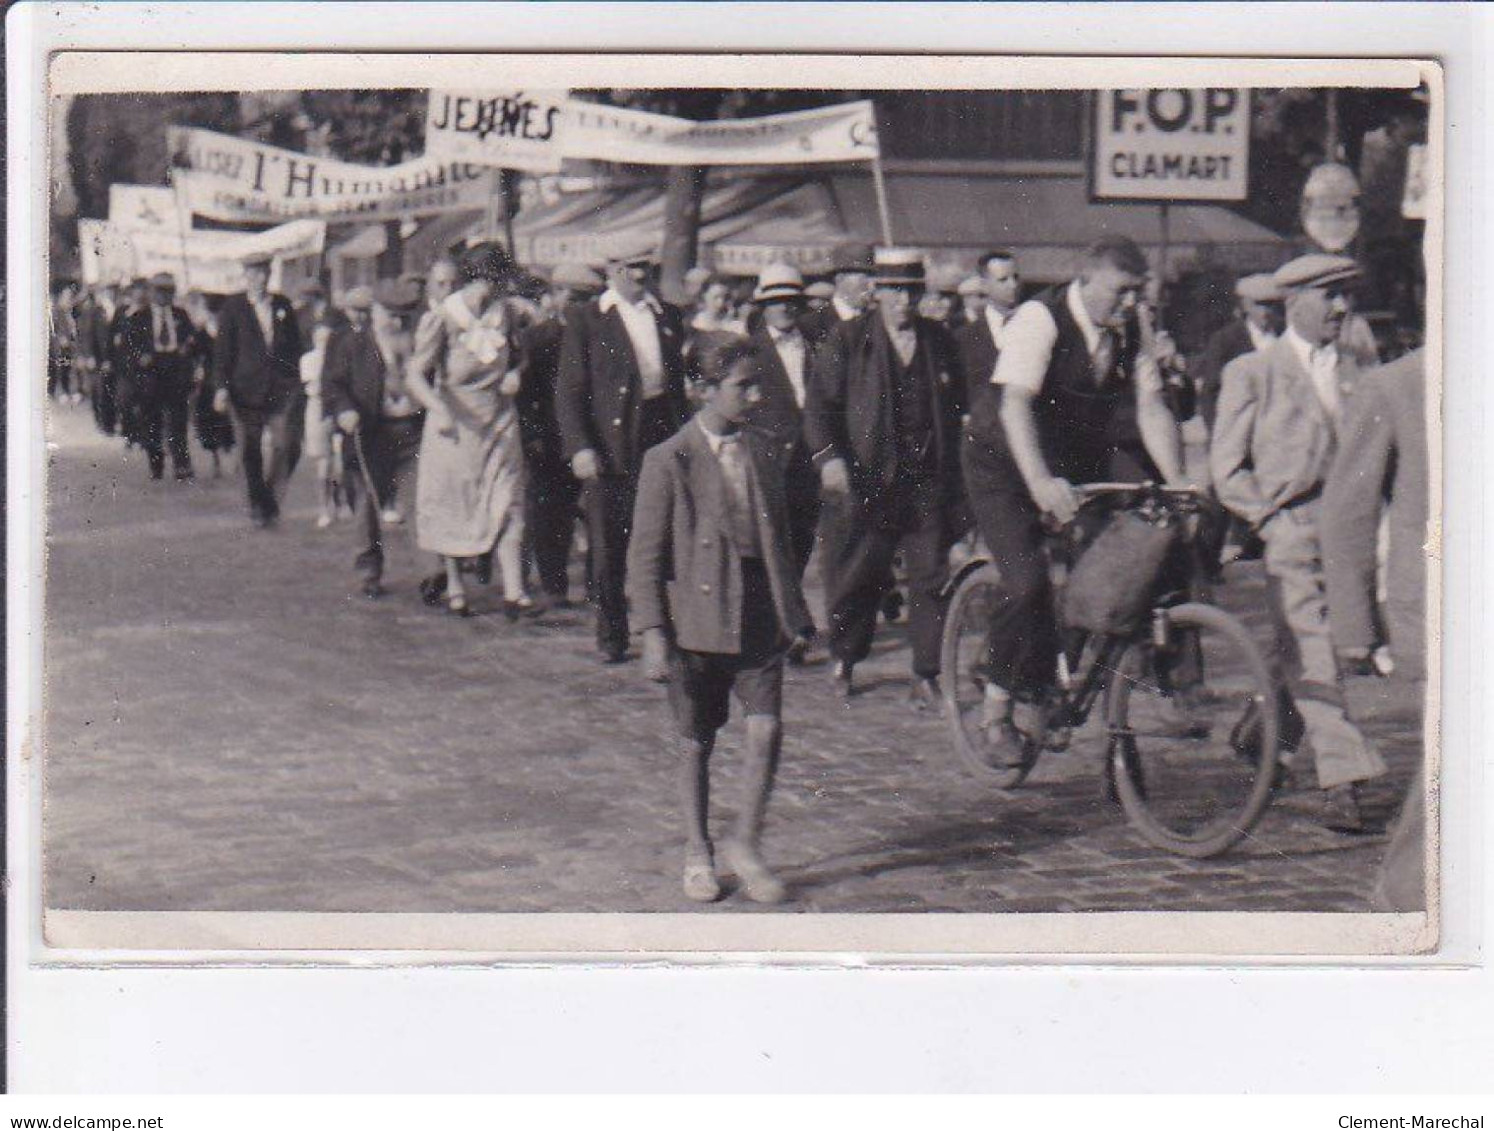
(1026, 348)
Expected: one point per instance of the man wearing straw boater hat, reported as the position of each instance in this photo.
(784, 353)
(622, 390)
(883, 430)
(1275, 436)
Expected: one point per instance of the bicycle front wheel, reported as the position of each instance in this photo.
(1194, 728)
(963, 654)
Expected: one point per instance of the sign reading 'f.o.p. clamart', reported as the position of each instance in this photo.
(1171, 144)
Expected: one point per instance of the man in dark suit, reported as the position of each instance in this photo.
(551, 492)
(122, 365)
(1259, 325)
(979, 340)
(784, 353)
(852, 280)
(883, 429)
(622, 390)
(365, 395)
(715, 590)
(157, 341)
(256, 363)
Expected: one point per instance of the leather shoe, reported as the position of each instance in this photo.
(796, 652)
(372, 589)
(840, 675)
(924, 694)
(615, 654)
(1341, 809)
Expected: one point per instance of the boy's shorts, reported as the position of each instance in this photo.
(701, 683)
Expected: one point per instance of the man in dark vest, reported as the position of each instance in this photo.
(622, 390)
(1071, 360)
(883, 429)
(256, 363)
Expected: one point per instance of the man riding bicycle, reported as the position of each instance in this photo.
(1079, 383)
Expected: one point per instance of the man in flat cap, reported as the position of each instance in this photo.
(883, 430)
(1275, 437)
(552, 495)
(156, 340)
(1076, 372)
(364, 393)
(851, 277)
(256, 365)
(622, 390)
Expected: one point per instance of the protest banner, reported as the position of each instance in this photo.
(229, 178)
(1171, 145)
(153, 208)
(204, 260)
(846, 132)
(518, 129)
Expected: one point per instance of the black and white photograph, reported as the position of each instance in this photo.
(525, 506)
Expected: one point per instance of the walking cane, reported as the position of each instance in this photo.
(367, 477)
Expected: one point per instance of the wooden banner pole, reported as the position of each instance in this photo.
(879, 182)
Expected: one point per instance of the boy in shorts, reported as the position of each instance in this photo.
(714, 588)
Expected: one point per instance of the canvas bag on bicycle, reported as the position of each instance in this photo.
(1112, 583)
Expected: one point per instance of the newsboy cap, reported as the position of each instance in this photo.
(820, 289)
(779, 282)
(897, 267)
(578, 277)
(398, 295)
(163, 281)
(1258, 288)
(1315, 270)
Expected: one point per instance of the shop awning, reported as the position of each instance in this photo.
(749, 221)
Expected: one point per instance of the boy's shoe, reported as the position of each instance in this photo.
(700, 880)
(840, 675)
(759, 884)
(323, 520)
(924, 694)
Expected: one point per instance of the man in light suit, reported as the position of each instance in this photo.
(1275, 438)
(715, 590)
(621, 391)
(256, 363)
(1382, 468)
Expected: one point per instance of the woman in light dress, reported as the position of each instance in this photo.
(321, 438)
(469, 495)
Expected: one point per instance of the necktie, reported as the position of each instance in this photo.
(1104, 355)
(160, 329)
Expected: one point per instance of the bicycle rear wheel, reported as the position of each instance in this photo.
(1177, 709)
(962, 655)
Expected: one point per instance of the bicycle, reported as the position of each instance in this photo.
(1190, 784)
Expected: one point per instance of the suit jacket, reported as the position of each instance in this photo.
(849, 412)
(600, 390)
(684, 572)
(138, 347)
(353, 375)
(816, 325)
(93, 331)
(539, 376)
(1230, 341)
(779, 414)
(1381, 464)
(258, 374)
(978, 353)
(1273, 442)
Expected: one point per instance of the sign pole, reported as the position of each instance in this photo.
(879, 182)
(1164, 219)
(181, 233)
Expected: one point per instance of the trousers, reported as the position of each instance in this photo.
(390, 446)
(1304, 647)
(862, 536)
(164, 407)
(551, 499)
(253, 425)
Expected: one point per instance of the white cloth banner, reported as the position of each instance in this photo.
(847, 132)
(208, 261)
(145, 208)
(228, 178)
(517, 129)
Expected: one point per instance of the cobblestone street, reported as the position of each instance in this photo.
(231, 727)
